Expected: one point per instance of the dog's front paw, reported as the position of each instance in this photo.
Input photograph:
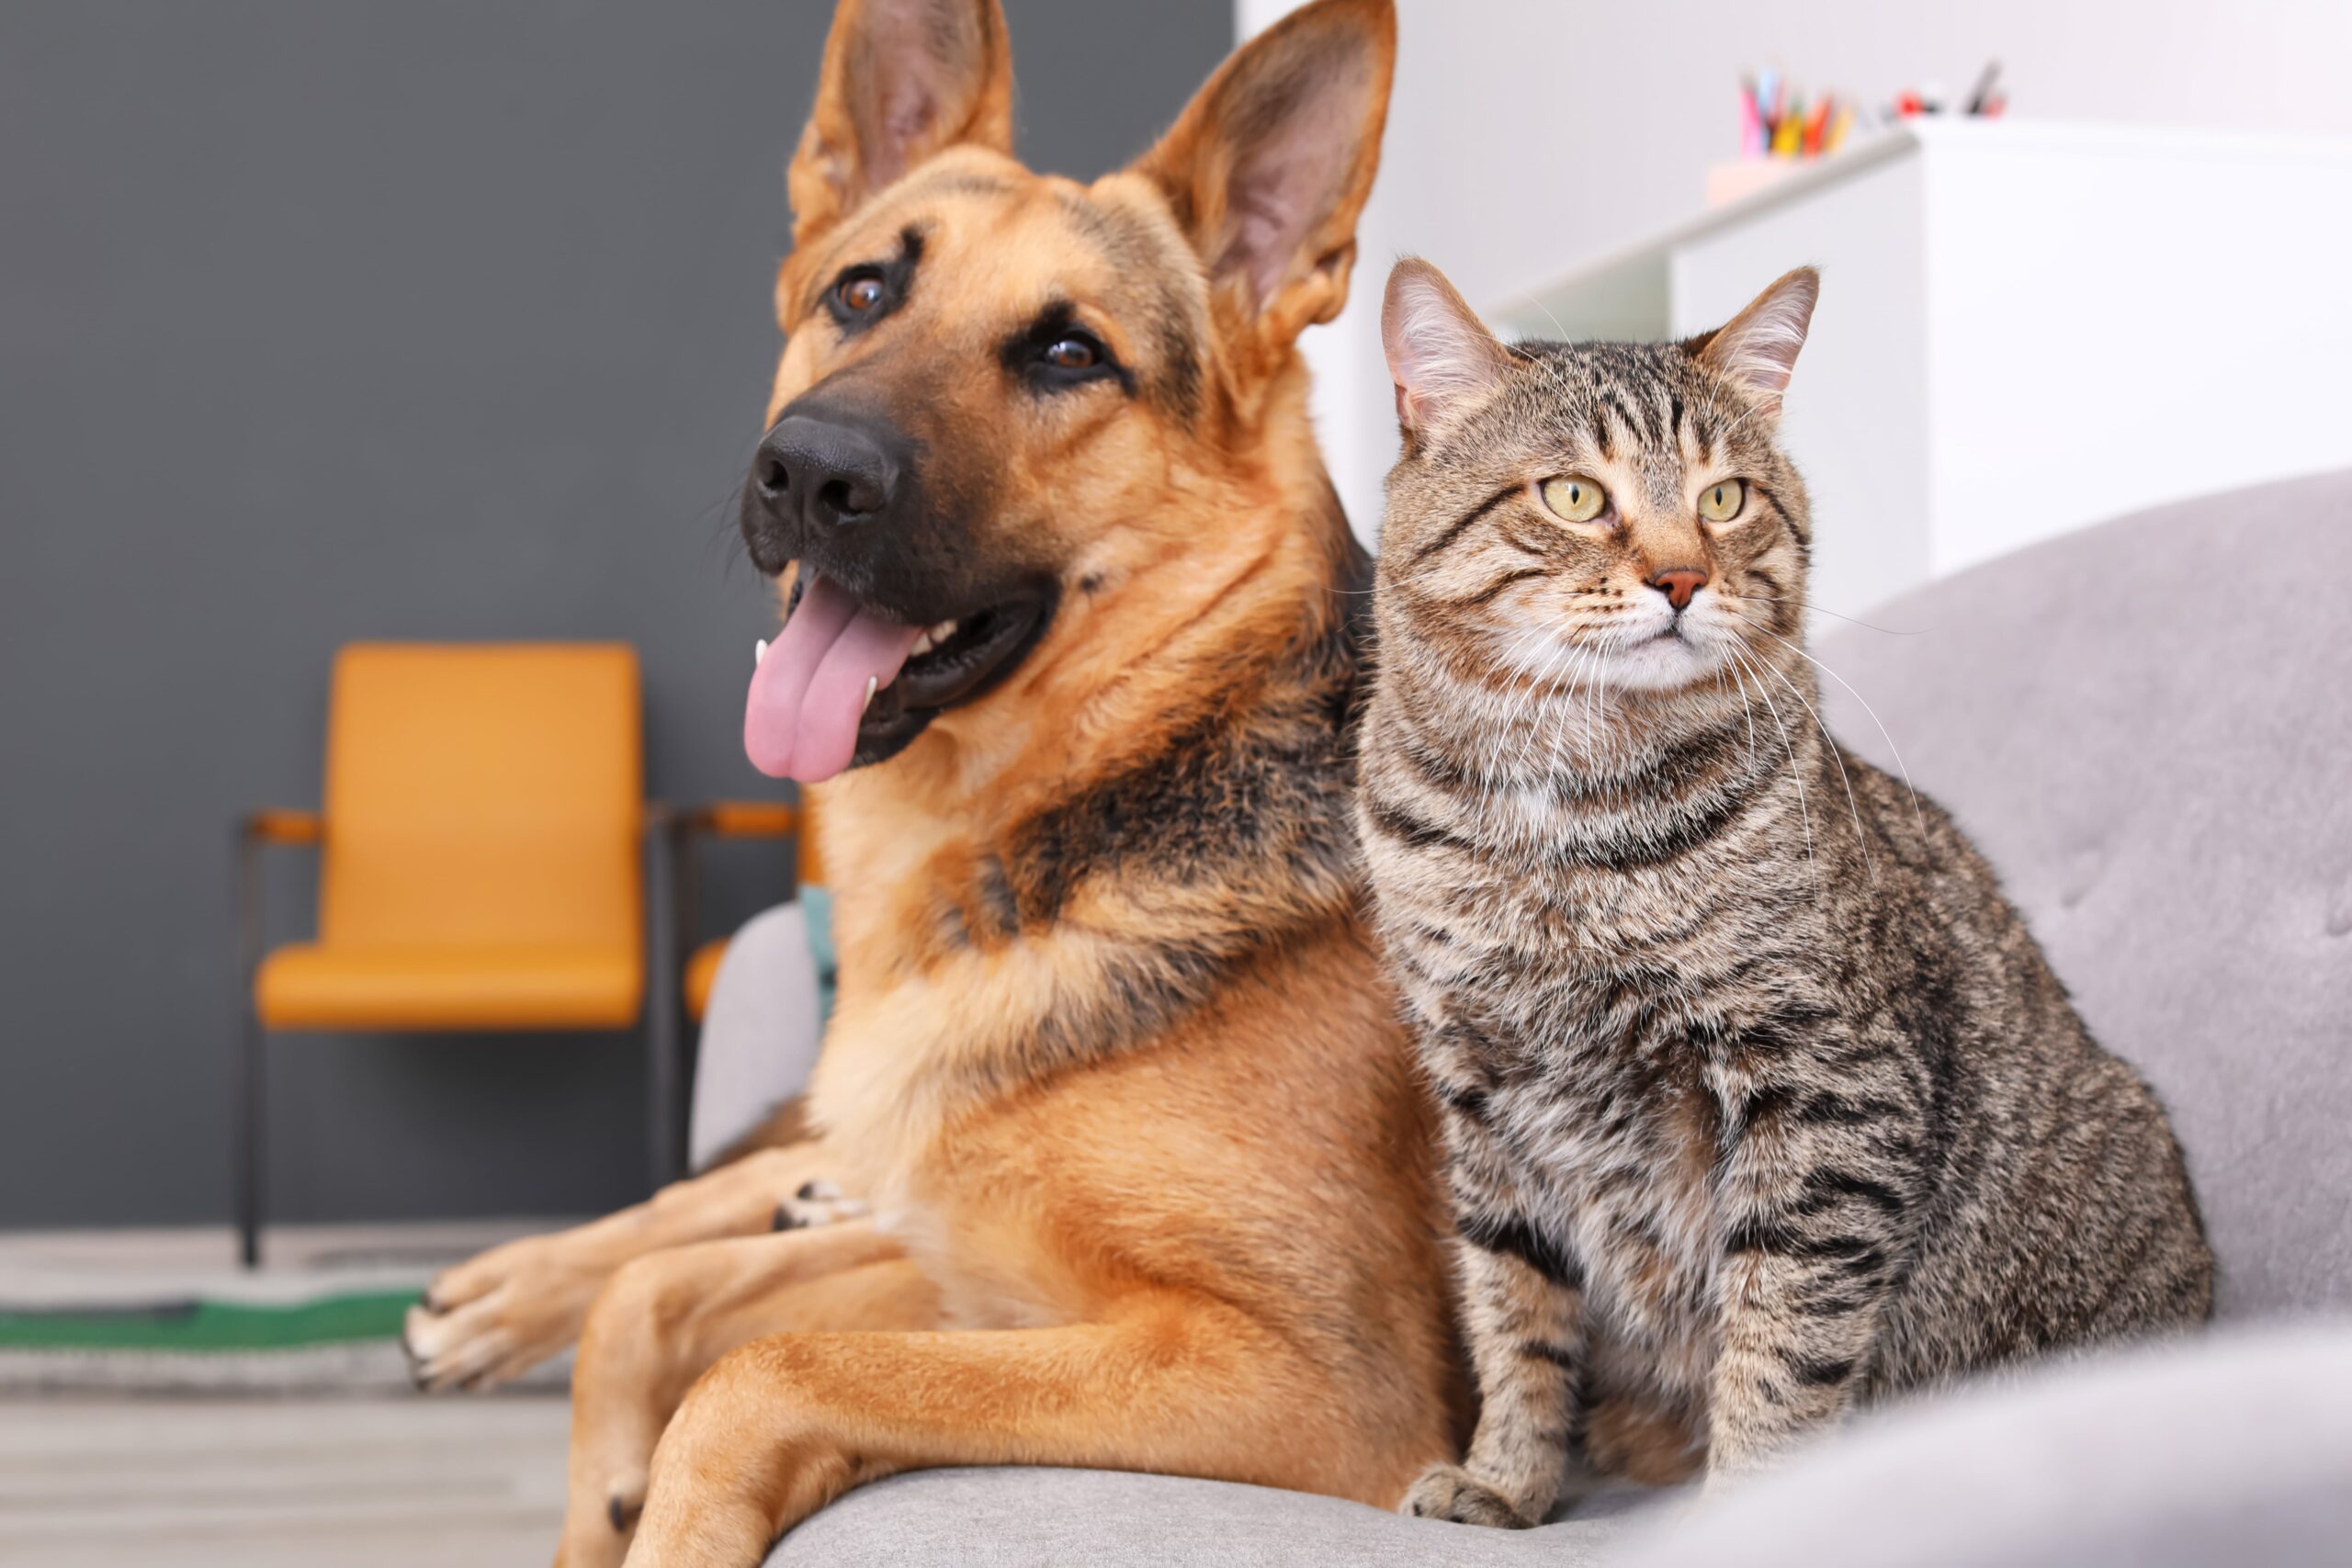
(818, 1203)
(1449, 1491)
(495, 1316)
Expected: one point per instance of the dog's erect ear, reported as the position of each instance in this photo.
(902, 79)
(1269, 166)
(1439, 353)
(1758, 346)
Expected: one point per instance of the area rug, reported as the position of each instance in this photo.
(328, 1327)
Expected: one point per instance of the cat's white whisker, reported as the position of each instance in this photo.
(1861, 839)
(1919, 818)
(1596, 702)
(1749, 709)
(1811, 609)
(1505, 715)
(1533, 300)
(1796, 775)
(1584, 668)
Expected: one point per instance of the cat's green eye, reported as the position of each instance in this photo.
(1721, 502)
(1573, 498)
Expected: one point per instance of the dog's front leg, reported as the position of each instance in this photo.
(778, 1428)
(493, 1317)
(666, 1317)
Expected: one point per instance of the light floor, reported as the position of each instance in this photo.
(111, 1482)
(258, 1483)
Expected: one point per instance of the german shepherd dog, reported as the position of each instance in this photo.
(1075, 618)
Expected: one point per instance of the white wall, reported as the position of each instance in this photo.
(1529, 136)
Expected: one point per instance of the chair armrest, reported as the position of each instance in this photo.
(277, 824)
(744, 820)
(257, 831)
(729, 820)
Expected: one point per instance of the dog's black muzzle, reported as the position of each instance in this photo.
(843, 493)
(823, 472)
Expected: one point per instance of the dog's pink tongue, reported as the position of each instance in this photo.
(808, 694)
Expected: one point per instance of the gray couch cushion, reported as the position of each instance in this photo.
(2236, 1449)
(2147, 725)
(1079, 1518)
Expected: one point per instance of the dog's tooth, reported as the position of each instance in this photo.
(760, 653)
(943, 631)
(922, 647)
(873, 684)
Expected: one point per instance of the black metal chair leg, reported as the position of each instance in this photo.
(252, 1113)
(664, 1071)
(252, 1097)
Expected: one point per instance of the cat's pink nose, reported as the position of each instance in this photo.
(1680, 584)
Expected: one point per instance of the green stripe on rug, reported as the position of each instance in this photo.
(211, 1325)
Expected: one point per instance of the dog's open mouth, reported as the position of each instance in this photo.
(846, 685)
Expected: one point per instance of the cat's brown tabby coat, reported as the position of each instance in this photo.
(1761, 1100)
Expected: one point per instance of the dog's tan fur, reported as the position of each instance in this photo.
(1202, 1229)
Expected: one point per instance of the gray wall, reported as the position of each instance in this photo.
(323, 321)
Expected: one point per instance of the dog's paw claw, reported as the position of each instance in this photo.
(817, 1203)
(476, 1346)
(624, 1501)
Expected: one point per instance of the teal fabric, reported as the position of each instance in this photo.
(817, 910)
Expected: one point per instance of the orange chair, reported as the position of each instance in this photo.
(483, 856)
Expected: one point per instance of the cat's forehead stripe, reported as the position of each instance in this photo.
(1653, 396)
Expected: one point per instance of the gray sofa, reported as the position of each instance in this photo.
(2148, 726)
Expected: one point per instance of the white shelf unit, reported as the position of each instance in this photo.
(2023, 328)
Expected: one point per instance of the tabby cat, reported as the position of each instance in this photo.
(1759, 1100)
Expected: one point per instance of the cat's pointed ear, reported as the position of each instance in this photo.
(1268, 168)
(1759, 347)
(902, 79)
(1440, 355)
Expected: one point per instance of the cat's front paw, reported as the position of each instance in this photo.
(1449, 1491)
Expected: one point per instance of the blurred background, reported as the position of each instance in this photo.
(345, 321)
(342, 321)
(1529, 140)
(337, 323)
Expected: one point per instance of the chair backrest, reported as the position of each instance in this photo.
(483, 795)
(2145, 727)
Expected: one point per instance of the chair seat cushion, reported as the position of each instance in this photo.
(320, 986)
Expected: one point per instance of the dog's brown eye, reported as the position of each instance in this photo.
(1055, 356)
(859, 294)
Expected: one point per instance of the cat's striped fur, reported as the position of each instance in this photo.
(1759, 1099)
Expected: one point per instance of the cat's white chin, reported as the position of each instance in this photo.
(1667, 662)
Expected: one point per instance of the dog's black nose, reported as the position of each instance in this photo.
(821, 472)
